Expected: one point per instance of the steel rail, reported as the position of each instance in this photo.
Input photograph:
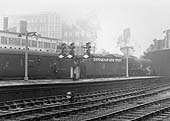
(80, 108)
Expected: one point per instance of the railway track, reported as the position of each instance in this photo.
(52, 109)
(61, 99)
(144, 112)
(115, 106)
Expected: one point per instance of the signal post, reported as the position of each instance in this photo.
(75, 69)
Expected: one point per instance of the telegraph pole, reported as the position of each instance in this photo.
(26, 51)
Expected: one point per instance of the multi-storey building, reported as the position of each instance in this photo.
(45, 24)
(13, 41)
(52, 25)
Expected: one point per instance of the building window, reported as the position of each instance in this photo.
(46, 45)
(53, 45)
(10, 41)
(3, 40)
(17, 41)
(29, 43)
(23, 42)
(40, 44)
(34, 43)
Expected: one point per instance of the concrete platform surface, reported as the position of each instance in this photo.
(64, 81)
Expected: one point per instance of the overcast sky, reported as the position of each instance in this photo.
(147, 19)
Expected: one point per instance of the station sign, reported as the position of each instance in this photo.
(101, 59)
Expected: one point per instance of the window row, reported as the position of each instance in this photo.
(31, 43)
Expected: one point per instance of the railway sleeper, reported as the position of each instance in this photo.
(95, 107)
(42, 98)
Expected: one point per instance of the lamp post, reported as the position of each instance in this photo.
(26, 51)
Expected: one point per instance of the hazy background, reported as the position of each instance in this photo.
(147, 19)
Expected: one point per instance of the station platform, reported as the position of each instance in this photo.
(20, 89)
(65, 81)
